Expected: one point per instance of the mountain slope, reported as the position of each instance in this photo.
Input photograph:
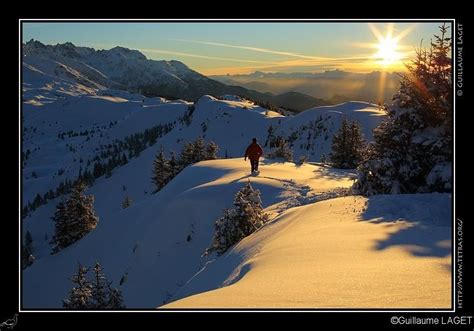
(122, 68)
(69, 134)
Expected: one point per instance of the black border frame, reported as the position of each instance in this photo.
(451, 21)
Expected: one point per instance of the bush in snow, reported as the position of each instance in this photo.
(281, 151)
(93, 294)
(412, 149)
(347, 146)
(245, 218)
(73, 219)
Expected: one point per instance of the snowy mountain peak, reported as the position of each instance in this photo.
(126, 53)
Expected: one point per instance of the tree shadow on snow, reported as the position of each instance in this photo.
(326, 171)
(427, 220)
(267, 161)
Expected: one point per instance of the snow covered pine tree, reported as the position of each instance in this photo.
(95, 294)
(80, 294)
(239, 222)
(412, 149)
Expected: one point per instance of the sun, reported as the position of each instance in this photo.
(387, 51)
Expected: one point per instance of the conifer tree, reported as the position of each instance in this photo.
(281, 150)
(93, 294)
(81, 294)
(115, 299)
(175, 167)
(74, 219)
(161, 171)
(246, 217)
(187, 155)
(199, 150)
(347, 146)
(100, 288)
(412, 148)
(211, 150)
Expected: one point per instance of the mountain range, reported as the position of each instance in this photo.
(130, 70)
(334, 86)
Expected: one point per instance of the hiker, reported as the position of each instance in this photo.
(253, 152)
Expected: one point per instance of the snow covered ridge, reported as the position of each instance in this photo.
(147, 243)
(388, 251)
(152, 250)
(68, 132)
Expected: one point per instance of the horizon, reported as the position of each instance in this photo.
(244, 48)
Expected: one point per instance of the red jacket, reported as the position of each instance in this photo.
(254, 151)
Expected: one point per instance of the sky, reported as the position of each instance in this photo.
(219, 48)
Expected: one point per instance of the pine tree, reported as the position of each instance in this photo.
(161, 171)
(199, 150)
(61, 228)
(100, 288)
(187, 155)
(115, 300)
(281, 150)
(175, 167)
(95, 294)
(80, 296)
(74, 219)
(246, 217)
(347, 146)
(127, 202)
(211, 150)
(412, 148)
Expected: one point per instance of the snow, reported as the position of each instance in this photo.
(372, 250)
(147, 241)
(388, 251)
(385, 251)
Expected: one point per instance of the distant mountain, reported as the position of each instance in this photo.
(331, 85)
(130, 70)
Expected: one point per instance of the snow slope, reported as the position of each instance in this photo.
(113, 114)
(350, 252)
(147, 243)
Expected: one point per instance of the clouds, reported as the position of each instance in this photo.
(291, 62)
(277, 60)
(160, 51)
